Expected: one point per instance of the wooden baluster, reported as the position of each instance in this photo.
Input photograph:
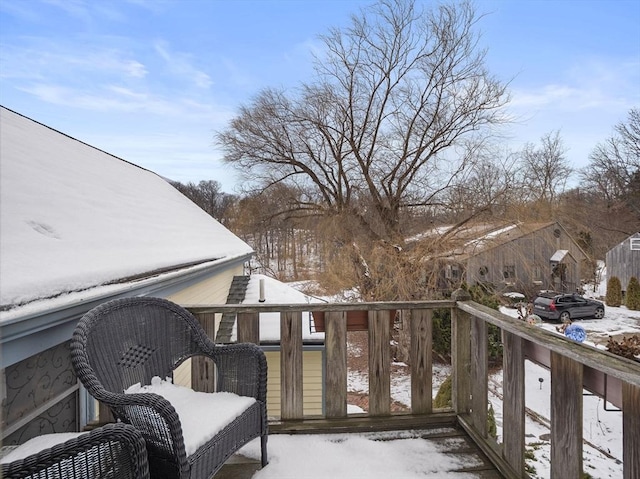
(248, 327)
(379, 363)
(203, 374)
(479, 375)
(566, 416)
(631, 428)
(461, 355)
(421, 322)
(335, 340)
(291, 365)
(513, 404)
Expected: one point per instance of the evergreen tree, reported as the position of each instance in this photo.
(614, 292)
(633, 294)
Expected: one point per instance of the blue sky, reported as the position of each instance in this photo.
(151, 81)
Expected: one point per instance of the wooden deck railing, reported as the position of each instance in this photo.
(572, 365)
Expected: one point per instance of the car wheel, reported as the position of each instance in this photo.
(599, 314)
(565, 317)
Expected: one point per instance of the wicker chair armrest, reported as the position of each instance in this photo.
(151, 400)
(114, 450)
(153, 416)
(242, 369)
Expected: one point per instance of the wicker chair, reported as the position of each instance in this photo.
(131, 340)
(114, 451)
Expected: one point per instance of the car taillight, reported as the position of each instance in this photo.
(552, 306)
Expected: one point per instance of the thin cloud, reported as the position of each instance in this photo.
(586, 85)
(89, 12)
(180, 65)
(43, 59)
(74, 8)
(21, 10)
(116, 98)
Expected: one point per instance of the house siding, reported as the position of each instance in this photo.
(623, 262)
(39, 396)
(213, 290)
(312, 381)
(527, 258)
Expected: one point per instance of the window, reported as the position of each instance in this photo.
(537, 273)
(455, 272)
(452, 271)
(509, 271)
(634, 243)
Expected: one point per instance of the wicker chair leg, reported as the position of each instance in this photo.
(263, 444)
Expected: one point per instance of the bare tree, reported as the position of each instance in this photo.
(401, 103)
(613, 172)
(545, 168)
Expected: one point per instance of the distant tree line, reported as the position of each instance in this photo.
(207, 194)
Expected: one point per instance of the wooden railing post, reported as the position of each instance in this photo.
(479, 375)
(335, 340)
(421, 361)
(461, 355)
(203, 374)
(379, 363)
(513, 404)
(631, 430)
(291, 405)
(566, 416)
(248, 327)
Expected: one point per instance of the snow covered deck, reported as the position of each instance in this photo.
(573, 368)
(438, 452)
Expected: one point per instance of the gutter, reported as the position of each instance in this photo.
(37, 326)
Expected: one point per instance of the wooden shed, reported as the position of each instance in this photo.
(623, 260)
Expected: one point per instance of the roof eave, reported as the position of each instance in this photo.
(47, 323)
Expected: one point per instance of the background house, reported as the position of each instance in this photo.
(79, 227)
(623, 260)
(525, 256)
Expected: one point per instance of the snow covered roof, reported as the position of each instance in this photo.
(276, 292)
(73, 217)
(471, 241)
(559, 255)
